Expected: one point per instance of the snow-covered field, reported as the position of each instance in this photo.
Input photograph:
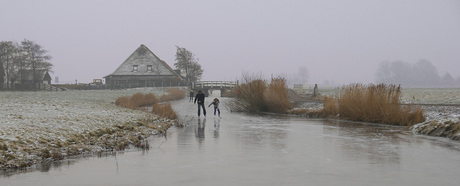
(431, 95)
(33, 121)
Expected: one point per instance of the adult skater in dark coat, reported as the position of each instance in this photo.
(200, 98)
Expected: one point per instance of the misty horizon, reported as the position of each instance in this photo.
(337, 42)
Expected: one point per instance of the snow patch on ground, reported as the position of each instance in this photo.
(31, 121)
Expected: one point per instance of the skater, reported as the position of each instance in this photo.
(191, 95)
(215, 102)
(200, 98)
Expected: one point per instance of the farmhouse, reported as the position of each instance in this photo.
(143, 69)
(41, 76)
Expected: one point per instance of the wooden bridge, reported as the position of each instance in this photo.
(206, 86)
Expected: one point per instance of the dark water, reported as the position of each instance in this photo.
(243, 149)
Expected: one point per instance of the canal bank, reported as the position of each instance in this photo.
(256, 149)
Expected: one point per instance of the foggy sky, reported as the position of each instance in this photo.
(339, 41)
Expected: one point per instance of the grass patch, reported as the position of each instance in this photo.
(139, 100)
(372, 103)
(136, 101)
(257, 95)
(164, 111)
(173, 94)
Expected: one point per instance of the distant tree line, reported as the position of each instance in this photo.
(422, 74)
(23, 63)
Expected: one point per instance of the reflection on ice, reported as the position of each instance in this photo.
(199, 130)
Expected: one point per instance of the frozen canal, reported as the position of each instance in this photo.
(243, 149)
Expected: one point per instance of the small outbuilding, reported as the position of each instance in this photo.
(41, 76)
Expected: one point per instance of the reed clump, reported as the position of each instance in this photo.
(256, 95)
(137, 100)
(173, 94)
(164, 111)
(276, 97)
(373, 103)
(140, 101)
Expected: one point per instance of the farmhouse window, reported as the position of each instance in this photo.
(149, 68)
(135, 68)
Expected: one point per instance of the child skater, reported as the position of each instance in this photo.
(215, 102)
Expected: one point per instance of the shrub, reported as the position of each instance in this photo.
(330, 107)
(256, 96)
(164, 110)
(173, 94)
(136, 101)
(141, 100)
(123, 102)
(373, 103)
(276, 98)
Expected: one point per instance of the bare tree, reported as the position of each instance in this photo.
(420, 74)
(37, 58)
(8, 54)
(383, 74)
(426, 74)
(195, 72)
(187, 62)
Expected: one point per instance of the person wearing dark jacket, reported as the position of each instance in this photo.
(200, 98)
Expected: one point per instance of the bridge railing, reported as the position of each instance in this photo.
(214, 84)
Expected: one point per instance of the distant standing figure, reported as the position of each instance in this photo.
(215, 102)
(315, 90)
(191, 95)
(200, 98)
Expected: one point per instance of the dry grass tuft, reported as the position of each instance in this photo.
(123, 102)
(330, 107)
(140, 101)
(137, 100)
(173, 94)
(276, 98)
(373, 103)
(256, 96)
(250, 96)
(164, 110)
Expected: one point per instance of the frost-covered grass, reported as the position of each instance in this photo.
(431, 95)
(43, 126)
(448, 128)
